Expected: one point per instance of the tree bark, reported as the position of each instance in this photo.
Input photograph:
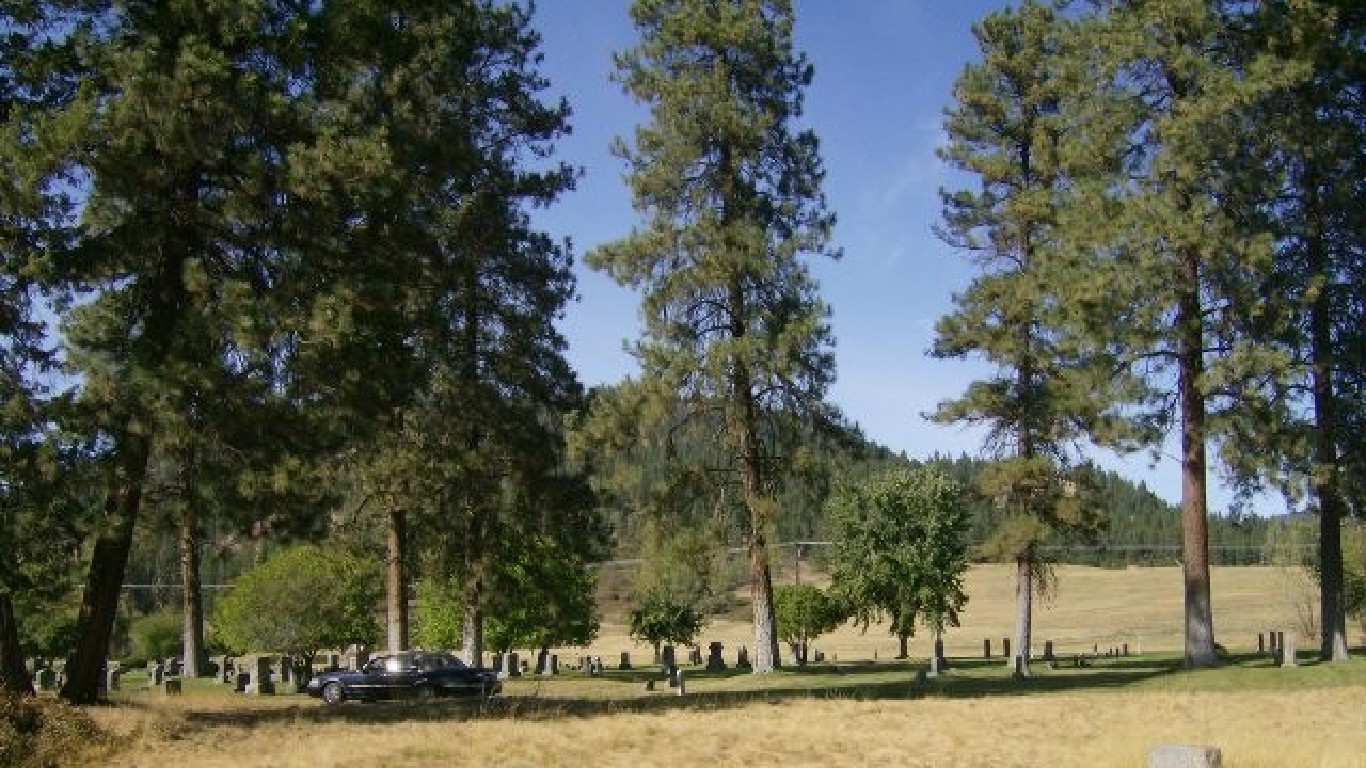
(396, 585)
(1024, 610)
(192, 632)
(903, 641)
(1326, 488)
(1199, 617)
(99, 603)
(472, 629)
(14, 677)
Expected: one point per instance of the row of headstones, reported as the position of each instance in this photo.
(512, 665)
(1281, 647)
(1121, 649)
(51, 676)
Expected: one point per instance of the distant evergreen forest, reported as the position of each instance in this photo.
(1139, 527)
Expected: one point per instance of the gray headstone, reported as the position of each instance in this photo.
(1261, 643)
(1005, 647)
(514, 665)
(625, 660)
(1288, 651)
(682, 685)
(262, 679)
(934, 667)
(742, 657)
(115, 679)
(986, 648)
(1048, 650)
(666, 657)
(1185, 756)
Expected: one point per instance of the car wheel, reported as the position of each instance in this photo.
(426, 693)
(333, 694)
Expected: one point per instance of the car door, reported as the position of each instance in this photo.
(398, 676)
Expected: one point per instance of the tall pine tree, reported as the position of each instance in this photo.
(729, 191)
(1172, 261)
(1005, 127)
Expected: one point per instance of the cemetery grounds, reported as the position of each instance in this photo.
(859, 707)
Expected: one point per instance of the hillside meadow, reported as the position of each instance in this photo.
(850, 711)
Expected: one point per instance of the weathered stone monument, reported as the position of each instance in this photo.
(742, 658)
(1288, 651)
(986, 648)
(625, 660)
(666, 658)
(1185, 756)
(262, 681)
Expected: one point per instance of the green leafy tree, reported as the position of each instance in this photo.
(156, 635)
(804, 613)
(658, 619)
(900, 550)
(735, 335)
(547, 597)
(301, 600)
(1006, 128)
(439, 621)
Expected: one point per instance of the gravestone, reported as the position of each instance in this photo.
(262, 681)
(156, 674)
(115, 678)
(514, 665)
(333, 662)
(715, 662)
(1048, 650)
(292, 679)
(986, 648)
(934, 666)
(220, 668)
(542, 661)
(682, 686)
(674, 675)
(1185, 756)
(241, 679)
(742, 658)
(666, 658)
(500, 665)
(1288, 651)
(1005, 647)
(171, 686)
(694, 655)
(818, 656)
(550, 665)
(173, 667)
(1261, 644)
(597, 665)
(625, 660)
(1125, 648)
(46, 678)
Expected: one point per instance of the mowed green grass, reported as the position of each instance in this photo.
(851, 711)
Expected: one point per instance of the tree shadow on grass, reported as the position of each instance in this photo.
(966, 679)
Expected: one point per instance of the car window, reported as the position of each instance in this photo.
(398, 664)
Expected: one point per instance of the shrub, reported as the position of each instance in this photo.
(156, 635)
(47, 733)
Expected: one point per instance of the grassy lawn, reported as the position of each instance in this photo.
(853, 711)
(850, 713)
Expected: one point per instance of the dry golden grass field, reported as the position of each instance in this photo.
(854, 712)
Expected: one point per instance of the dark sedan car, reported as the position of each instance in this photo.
(414, 674)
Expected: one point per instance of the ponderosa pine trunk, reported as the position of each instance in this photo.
(1199, 616)
(1024, 610)
(100, 601)
(14, 676)
(765, 657)
(192, 629)
(472, 626)
(395, 583)
(1326, 488)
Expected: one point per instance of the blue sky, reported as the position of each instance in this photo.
(884, 71)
